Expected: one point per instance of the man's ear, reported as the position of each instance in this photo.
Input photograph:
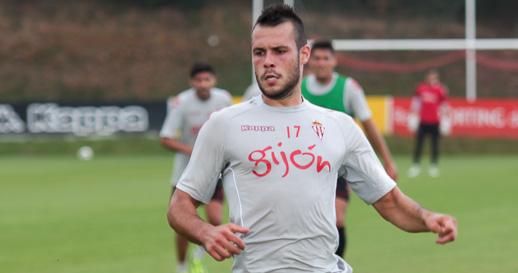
(305, 53)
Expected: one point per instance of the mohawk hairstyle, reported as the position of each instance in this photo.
(277, 14)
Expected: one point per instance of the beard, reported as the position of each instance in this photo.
(287, 89)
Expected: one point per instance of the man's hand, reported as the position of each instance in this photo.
(391, 170)
(221, 242)
(444, 225)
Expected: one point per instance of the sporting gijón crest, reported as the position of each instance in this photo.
(318, 128)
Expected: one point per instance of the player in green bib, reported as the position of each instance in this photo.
(326, 88)
(332, 98)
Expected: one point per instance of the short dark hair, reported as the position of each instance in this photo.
(323, 44)
(277, 14)
(199, 67)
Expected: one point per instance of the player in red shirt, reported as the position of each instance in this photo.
(429, 104)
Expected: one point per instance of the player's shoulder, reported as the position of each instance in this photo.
(227, 114)
(353, 85)
(180, 98)
(242, 107)
(221, 94)
(336, 116)
(422, 86)
(187, 93)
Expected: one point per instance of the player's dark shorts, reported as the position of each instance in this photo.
(342, 189)
(218, 192)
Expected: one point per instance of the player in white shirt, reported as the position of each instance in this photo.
(281, 156)
(186, 114)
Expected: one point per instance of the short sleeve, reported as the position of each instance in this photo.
(173, 121)
(357, 101)
(207, 161)
(364, 171)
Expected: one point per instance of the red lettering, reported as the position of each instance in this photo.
(297, 158)
(299, 165)
(261, 160)
(286, 165)
(274, 158)
(322, 164)
(298, 130)
(288, 130)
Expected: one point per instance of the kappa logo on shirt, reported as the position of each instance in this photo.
(257, 128)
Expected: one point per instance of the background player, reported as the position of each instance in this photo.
(430, 105)
(187, 113)
(281, 156)
(327, 88)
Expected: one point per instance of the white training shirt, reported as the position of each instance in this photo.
(280, 170)
(353, 99)
(186, 114)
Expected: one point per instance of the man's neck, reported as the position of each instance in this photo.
(203, 98)
(324, 80)
(293, 100)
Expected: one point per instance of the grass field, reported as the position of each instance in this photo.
(62, 215)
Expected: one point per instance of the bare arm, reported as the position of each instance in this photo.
(405, 213)
(219, 241)
(381, 147)
(184, 218)
(175, 145)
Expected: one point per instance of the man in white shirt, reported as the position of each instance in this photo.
(186, 114)
(280, 157)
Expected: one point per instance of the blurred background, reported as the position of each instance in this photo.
(97, 74)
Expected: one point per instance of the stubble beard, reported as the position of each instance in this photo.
(288, 89)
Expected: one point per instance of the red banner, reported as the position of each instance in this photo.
(482, 118)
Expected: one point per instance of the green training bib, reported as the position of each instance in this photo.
(334, 99)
